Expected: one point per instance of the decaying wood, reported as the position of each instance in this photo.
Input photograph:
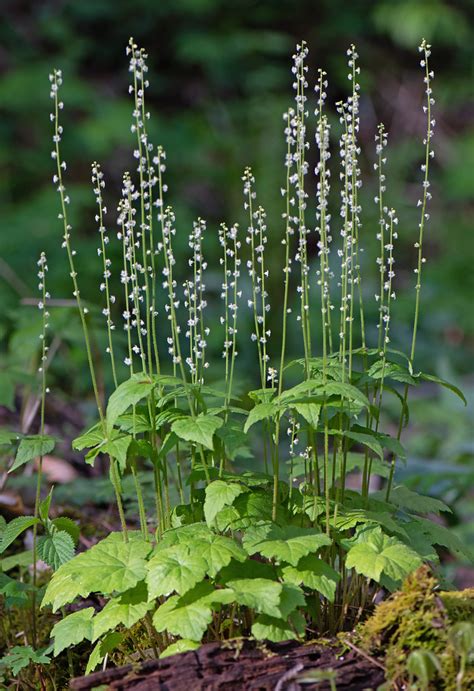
(245, 665)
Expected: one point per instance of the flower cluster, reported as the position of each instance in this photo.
(195, 303)
(257, 240)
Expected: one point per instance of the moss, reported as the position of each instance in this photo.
(418, 617)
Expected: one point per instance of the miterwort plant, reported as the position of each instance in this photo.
(289, 549)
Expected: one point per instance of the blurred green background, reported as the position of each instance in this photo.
(219, 82)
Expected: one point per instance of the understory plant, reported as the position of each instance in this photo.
(288, 548)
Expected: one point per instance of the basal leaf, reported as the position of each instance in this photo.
(368, 440)
(15, 528)
(379, 555)
(291, 598)
(262, 411)
(107, 567)
(218, 551)
(32, 447)
(181, 646)
(446, 384)
(129, 393)
(273, 629)
(391, 370)
(187, 616)
(116, 446)
(235, 440)
(286, 544)
(310, 412)
(199, 430)
(56, 549)
(102, 648)
(440, 535)
(259, 594)
(313, 573)
(126, 610)
(412, 501)
(93, 436)
(73, 629)
(174, 569)
(218, 495)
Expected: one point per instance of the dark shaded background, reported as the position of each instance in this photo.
(220, 81)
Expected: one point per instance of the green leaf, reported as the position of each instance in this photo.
(70, 526)
(218, 551)
(181, 646)
(126, 610)
(107, 567)
(348, 391)
(32, 447)
(20, 657)
(102, 648)
(92, 437)
(440, 535)
(116, 446)
(177, 568)
(56, 549)
(129, 393)
(367, 440)
(286, 544)
(250, 568)
(423, 665)
(461, 637)
(377, 555)
(259, 594)
(405, 498)
(352, 517)
(313, 573)
(291, 597)
(218, 495)
(199, 430)
(22, 559)
(73, 629)
(44, 506)
(310, 412)
(8, 438)
(16, 528)
(261, 411)
(393, 445)
(266, 628)
(235, 440)
(446, 384)
(187, 616)
(391, 370)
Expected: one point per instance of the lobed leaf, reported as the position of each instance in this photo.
(73, 629)
(199, 430)
(218, 495)
(287, 544)
(129, 393)
(313, 573)
(106, 567)
(174, 569)
(377, 554)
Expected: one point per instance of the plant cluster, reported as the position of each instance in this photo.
(289, 549)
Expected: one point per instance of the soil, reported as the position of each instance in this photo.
(243, 665)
